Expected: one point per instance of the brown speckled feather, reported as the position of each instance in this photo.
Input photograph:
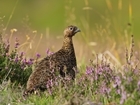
(52, 65)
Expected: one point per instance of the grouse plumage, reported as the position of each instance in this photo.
(55, 64)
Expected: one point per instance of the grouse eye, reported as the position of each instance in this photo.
(70, 28)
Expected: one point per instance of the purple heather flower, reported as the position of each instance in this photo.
(99, 71)
(16, 59)
(89, 70)
(118, 91)
(16, 43)
(104, 89)
(49, 52)
(136, 71)
(50, 83)
(38, 55)
(123, 95)
(107, 69)
(24, 61)
(117, 82)
(30, 61)
(21, 55)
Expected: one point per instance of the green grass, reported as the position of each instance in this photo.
(108, 55)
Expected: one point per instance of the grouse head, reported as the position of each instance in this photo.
(71, 31)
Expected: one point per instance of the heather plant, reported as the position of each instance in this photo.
(101, 83)
(13, 64)
(121, 86)
(128, 87)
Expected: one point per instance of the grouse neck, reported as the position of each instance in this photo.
(67, 43)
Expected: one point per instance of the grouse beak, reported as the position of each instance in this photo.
(77, 30)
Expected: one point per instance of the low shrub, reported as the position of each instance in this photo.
(13, 65)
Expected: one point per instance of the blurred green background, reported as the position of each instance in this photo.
(57, 14)
(104, 23)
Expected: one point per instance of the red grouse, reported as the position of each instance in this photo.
(62, 62)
